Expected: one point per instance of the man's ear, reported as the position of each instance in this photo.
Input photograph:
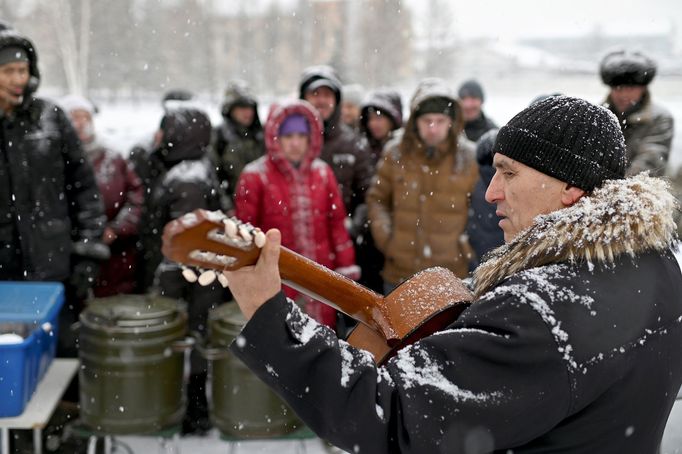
(571, 194)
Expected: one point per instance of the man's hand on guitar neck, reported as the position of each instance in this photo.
(252, 286)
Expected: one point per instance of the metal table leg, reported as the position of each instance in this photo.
(38, 441)
(5, 440)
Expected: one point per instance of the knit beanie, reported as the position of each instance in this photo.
(567, 138)
(75, 102)
(11, 54)
(436, 104)
(471, 88)
(295, 123)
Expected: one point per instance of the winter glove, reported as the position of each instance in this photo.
(358, 223)
(83, 276)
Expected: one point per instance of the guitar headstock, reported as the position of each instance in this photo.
(210, 240)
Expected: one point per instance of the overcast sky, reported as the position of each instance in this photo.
(510, 19)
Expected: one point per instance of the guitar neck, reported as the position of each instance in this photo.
(329, 287)
(196, 239)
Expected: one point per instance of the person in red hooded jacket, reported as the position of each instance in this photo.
(293, 190)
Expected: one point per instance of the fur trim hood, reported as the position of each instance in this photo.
(627, 216)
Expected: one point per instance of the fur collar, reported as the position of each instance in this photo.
(627, 216)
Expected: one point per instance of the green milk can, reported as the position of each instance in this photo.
(240, 405)
(132, 350)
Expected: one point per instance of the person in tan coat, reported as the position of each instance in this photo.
(419, 199)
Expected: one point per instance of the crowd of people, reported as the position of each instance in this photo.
(351, 179)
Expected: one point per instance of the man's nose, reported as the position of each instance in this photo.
(493, 193)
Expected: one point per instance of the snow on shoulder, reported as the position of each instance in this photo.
(415, 368)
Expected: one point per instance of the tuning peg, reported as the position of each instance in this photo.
(245, 233)
(259, 238)
(230, 228)
(207, 278)
(222, 279)
(189, 275)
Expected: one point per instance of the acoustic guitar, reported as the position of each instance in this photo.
(422, 305)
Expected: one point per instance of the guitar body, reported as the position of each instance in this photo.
(429, 301)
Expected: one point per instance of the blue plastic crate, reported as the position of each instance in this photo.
(34, 306)
(18, 374)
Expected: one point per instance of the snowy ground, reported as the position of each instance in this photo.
(212, 444)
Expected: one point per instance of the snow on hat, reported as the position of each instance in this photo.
(625, 67)
(567, 138)
(295, 123)
(314, 77)
(75, 102)
(352, 93)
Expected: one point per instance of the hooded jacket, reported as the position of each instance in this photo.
(188, 182)
(235, 145)
(388, 102)
(304, 203)
(343, 149)
(572, 345)
(418, 204)
(648, 129)
(48, 194)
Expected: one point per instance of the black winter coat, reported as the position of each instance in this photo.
(476, 128)
(344, 150)
(188, 181)
(571, 346)
(234, 146)
(349, 157)
(48, 195)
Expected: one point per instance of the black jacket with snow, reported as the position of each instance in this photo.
(48, 195)
(571, 346)
(188, 182)
(49, 201)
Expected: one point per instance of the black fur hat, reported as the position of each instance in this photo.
(625, 67)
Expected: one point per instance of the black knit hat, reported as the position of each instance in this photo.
(436, 104)
(567, 138)
(471, 88)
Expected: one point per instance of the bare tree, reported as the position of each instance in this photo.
(439, 58)
(385, 44)
(74, 47)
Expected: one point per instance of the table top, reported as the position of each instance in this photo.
(48, 393)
